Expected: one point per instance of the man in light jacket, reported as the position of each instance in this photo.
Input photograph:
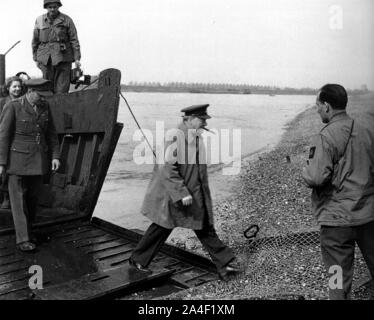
(340, 170)
(55, 46)
(178, 195)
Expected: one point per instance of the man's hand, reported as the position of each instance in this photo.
(187, 201)
(77, 64)
(55, 164)
(2, 171)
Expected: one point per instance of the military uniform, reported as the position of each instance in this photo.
(27, 134)
(55, 46)
(341, 172)
(170, 183)
(4, 180)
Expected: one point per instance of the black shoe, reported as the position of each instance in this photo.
(26, 246)
(138, 266)
(232, 268)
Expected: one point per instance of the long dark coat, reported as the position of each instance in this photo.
(171, 182)
(26, 137)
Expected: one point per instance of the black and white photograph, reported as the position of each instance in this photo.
(185, 156)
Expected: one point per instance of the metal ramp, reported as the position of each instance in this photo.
(100, 284)
(89, 260)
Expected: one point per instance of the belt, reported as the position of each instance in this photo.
(23, 138)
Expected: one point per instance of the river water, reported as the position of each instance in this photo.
(260, 118)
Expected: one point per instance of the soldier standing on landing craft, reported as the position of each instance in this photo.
(55, 46)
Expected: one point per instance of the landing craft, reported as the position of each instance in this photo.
(82, 257)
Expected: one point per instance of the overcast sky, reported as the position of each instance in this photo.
(297, 43)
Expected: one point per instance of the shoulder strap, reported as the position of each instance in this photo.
(349, 138)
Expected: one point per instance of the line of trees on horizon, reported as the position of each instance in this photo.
(195, 87)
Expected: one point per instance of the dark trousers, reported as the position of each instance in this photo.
(338, 247)
(59, 75)
(4, 186)
(23, 191)
(156, 235)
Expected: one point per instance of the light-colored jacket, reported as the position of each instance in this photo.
(341, 172)
(171, 182)
(57, 40)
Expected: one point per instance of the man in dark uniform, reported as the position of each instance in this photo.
(341, 172)
(55, 46)
(27, 134)
(178, 195)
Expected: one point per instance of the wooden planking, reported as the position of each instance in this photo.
(64, 151)
(100, 284)
(114, 252)
(16, 286)
(10, 260)
(76, 225)
(13, 267)
(96, 140)
(103, 246)
(21, 294)
(77, 160)
(14, 276)
(90, 156)
(102, 239)
(73, 232)
(6, 252)
(85, 236)
(113, 260)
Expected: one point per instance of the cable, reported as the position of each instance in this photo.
(137, 123)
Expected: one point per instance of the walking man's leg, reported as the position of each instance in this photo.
(149, 244)
(338, 247)
(222, 256)
(365, 241)
(34, 186)
(19, 211)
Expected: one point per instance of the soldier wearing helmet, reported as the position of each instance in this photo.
(55, 46)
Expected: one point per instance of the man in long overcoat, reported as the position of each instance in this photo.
(178, 195)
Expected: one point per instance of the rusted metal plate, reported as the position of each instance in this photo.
(100, 284)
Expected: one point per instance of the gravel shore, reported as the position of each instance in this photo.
(285, 262)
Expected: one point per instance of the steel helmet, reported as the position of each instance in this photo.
(47, 2)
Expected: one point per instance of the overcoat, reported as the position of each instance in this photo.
(26, 137)
(341, 172)
(174, 180)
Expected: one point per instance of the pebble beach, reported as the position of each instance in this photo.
(270, 193)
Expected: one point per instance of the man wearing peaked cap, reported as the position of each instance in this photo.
(27, 135)
(199, 111)
(42, 86)
(178, 195)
